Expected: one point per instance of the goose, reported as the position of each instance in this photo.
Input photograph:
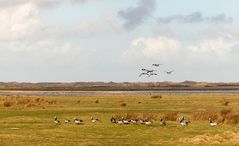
(93, 120)
(147, 70)
(162, 122)
(147, 122)
(143, 73)
(184, 122)
(125, 121)
(78, 121)
(56, 121)
(134, 121)
(150, 71)
(212, 123)
(152, 74)
(169, 72)
(113, 120)
(141, 121)
(157, 65)
(67, 121)
(120, 122)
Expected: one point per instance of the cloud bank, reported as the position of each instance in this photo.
(196, 17)
(135, 16)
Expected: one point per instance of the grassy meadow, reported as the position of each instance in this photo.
(29, 120)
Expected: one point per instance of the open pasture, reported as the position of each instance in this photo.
(29, 120)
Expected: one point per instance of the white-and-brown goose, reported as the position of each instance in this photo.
(162, 122)
(56, 121)
(184, 122)
(94, 120)
(78, 121)
(212, 122)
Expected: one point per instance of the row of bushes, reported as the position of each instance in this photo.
(26, 101)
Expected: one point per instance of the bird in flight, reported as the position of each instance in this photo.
(169, 72)
(147, 70)
(152, 74)
(157, 65)
(143, 73)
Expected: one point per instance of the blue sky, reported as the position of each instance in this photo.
(109, 40)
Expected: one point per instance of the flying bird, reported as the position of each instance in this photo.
(147, 70)
(169, 72)
(152, 74)
(143, 73)
(157, 65)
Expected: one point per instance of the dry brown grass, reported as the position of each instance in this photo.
(97, 101)
(232, 118)
(170, 116)
(227, 138)
(7, 103)
(123, 104)
(156, 96)
(26, 101)
(205, 115)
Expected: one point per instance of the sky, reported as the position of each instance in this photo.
(109, 40)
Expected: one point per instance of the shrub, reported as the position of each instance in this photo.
(123, 104)
(225, 103)
(156, 96)
(150, 116)
(232, 118)
(225, 112)
(171, 116)
(7, 103)
(205, 115)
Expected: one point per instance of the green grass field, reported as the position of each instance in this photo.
(29, 120)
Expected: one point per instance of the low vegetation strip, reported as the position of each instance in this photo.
(173, 119)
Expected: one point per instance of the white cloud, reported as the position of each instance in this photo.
(159, 47)
(220, 47)
(166, 48)
(107, 24)
(39, 3)
(19, 21)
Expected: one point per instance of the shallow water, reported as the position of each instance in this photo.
(85, 93)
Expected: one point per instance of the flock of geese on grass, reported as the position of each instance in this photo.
(123, 121)
(151, 72)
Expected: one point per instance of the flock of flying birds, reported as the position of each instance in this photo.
(152, 72)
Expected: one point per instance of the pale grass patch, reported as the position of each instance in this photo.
(228, 137)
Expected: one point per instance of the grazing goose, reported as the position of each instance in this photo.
(184, 122)
(141, 121)
(147, 122)
(134, 121)
(162, 122)
(125, 121)
(93, 120)
(67, 121)
(56, 121)
(78, 121)
(119, 122)
(212, 123)
(113, 120)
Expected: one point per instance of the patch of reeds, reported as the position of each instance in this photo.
(170, 116)
(26, 101)
(205, 115)
(156, 96)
